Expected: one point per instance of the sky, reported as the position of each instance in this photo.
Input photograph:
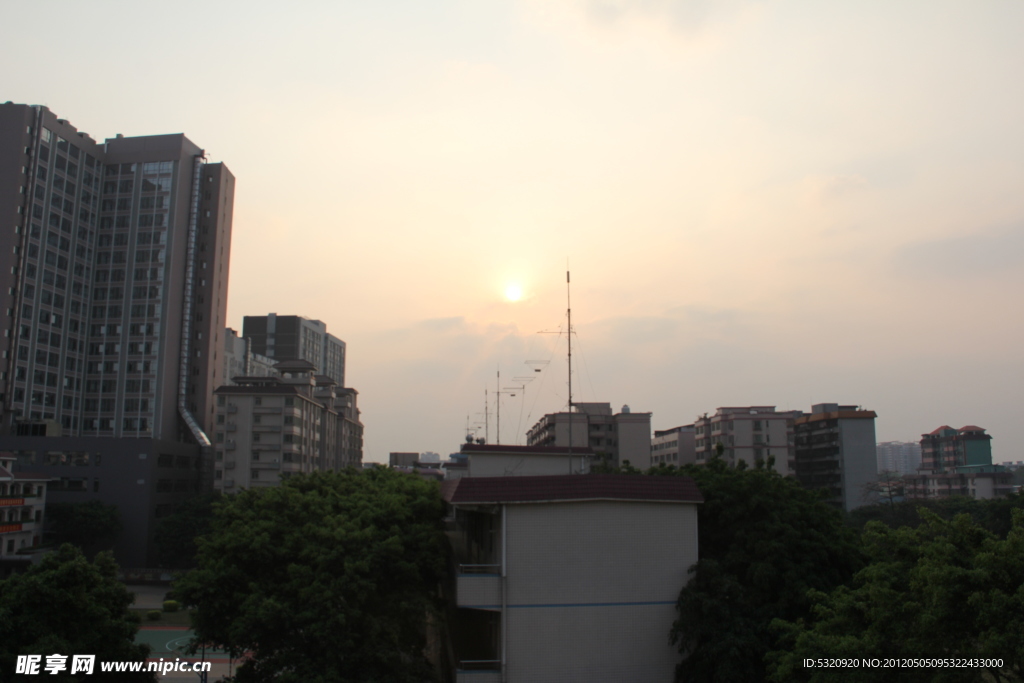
(761, 203)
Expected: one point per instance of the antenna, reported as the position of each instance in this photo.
(568, 337)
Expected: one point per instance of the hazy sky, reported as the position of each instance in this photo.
(770, 203)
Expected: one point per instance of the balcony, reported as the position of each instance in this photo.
(266, 428)
(478, 586)
(266, 464)
(267, 410)
(231, 427)
(266, 447)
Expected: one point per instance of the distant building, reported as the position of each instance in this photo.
(568, 578)
(614, 439)
(292, 337)
(747, 434)
(396, 459)
(240, 361)
(835, 452)
(958, 462)
(498, 460)
(946, 448)
(675, 446)
(902, 457)
(271, 428)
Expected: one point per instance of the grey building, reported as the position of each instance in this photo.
(675, 446)
(292, 337)
(614, 438)
(113, 275)
(570, 577)
(835, 452)
(748, 434)
(903, 457)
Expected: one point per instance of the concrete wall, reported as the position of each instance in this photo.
(858, 460)
(592, 588)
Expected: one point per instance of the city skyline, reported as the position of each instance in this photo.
(760, 204)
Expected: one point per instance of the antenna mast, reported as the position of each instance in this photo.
(568, 310)
(487, 420)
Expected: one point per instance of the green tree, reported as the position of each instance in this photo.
(764, 542)
(325, 578)
(176, 535)
(91, 525)
(67, 605)
(945, 589)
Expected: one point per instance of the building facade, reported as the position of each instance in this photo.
(292, 337)
(676, 446)
(747, 434)
(901, 457)
(945, 448)
(835, 452)
(568, 578)
(113, 274)
(22, 510)
(958, 462)
(271, 428)
(614, 438)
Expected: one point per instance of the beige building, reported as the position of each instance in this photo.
(568, 578)
(270, 428)
(747, 434)
(614, 438)
(676, 446)
(22, 505)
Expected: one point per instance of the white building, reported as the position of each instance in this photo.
(569, 578)
(903, 457)
(614, 438)
(747, 434)
(675, 446)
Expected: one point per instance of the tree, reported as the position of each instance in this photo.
(887, 488)
(946, 589)
(325, 578)
(176, 535)
(68, 605)
(764, 542)
(91, 525)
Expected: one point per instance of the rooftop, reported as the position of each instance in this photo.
(574, 487)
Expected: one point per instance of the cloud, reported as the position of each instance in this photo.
(980, 254)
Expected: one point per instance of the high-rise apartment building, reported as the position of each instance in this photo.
(113, 278)
(835, 452)
(676, 446)
(292, 337)
(113, 274)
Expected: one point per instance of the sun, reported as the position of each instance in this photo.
(513, 292)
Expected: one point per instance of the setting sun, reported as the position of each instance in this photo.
(513, 292)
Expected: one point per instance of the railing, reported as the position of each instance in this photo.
(480, 664)
(479, 568)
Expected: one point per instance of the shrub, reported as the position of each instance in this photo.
(153, 615)
(171, 605)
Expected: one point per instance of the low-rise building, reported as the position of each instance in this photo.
(747, 434)
(614, 438)
(241, 361)
(22, 507)
(498, 460)
(567, 577)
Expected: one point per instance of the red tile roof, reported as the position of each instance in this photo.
(938, 431)
(971, 428)
(564, 487)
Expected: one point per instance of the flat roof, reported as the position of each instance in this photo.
(571, 487)
(492, 448)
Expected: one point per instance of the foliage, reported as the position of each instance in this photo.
(68, 605)
(945, 589)
(325, 578)
(994, 514)
(176, 534)
(91, 525)
(764, 542)
(153, 615)
(171, 605)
